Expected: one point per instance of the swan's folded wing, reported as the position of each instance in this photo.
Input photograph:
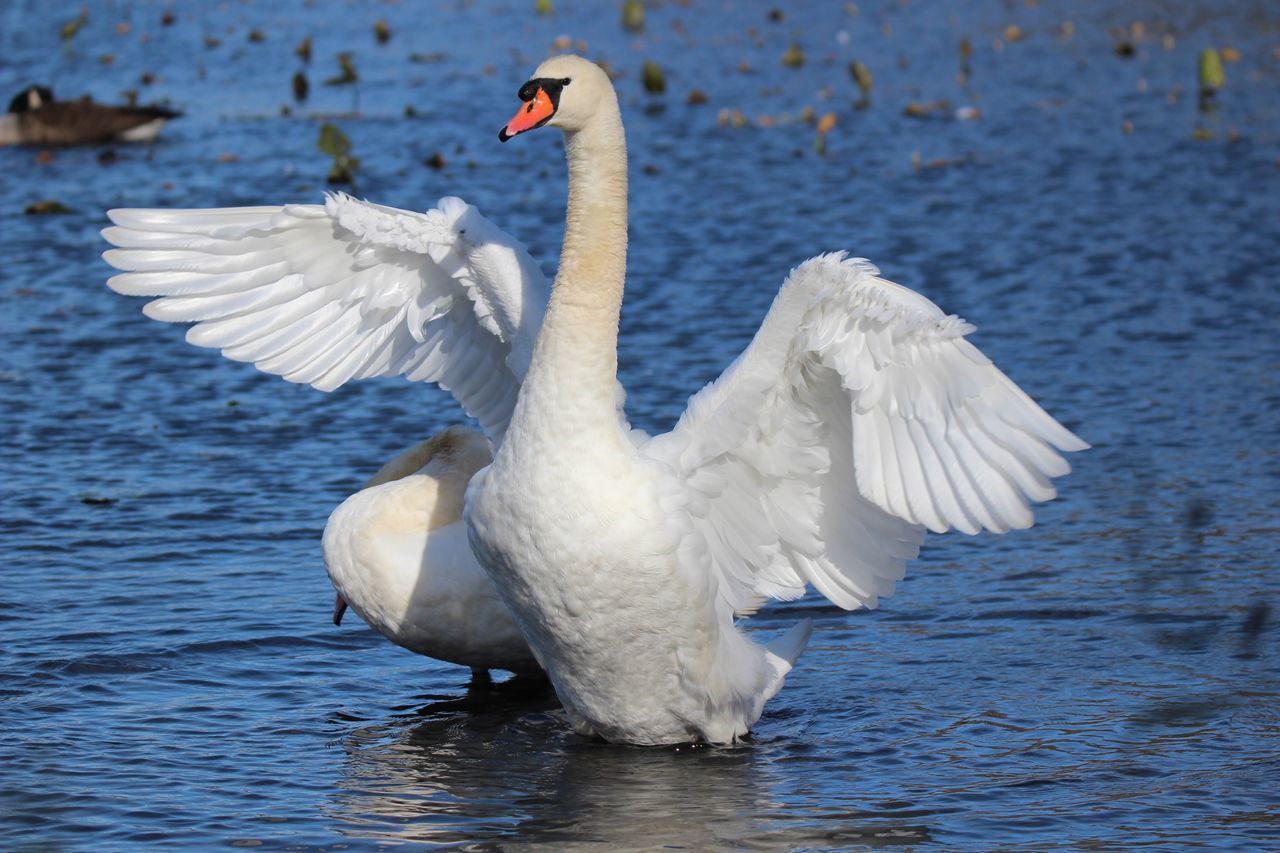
(323, 294)
(858, 417)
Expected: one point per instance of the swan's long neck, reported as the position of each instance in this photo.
(575, 361)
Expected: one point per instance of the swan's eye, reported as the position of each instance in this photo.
(565, 81)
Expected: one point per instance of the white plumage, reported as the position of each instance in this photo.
(858, 418)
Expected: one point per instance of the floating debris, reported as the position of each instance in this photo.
(776, 16)
(1230, 54)
(382, 31)
(410, 111)
(731, 118)
(168, 19)
(655, 81)
(147, 78)
(926, 109)
(257, 36)
(303, 50)
(968, 113)
(347, 71)
(825, 124)
(435, 161)
(696, 97)
(633, 16)
(432, 58)
(1013, 33)
(44, 156)
(794, 56)
(861, 75)
(107, 156)
(1212, 77)
(1126, 49)
(70, 28)
(1066, 30)
(96, 500)
(228, 157)
(301, 88)
(543, 7)
(335, 143)
(46, 207)
(966, 54)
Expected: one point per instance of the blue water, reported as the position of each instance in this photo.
(168, 670)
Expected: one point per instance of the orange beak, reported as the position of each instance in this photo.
(534, 113)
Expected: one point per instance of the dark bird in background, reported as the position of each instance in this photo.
(36, 118)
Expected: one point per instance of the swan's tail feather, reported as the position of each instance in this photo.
(782, 653)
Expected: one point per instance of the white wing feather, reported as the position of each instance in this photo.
(858, 417)
(324, 294)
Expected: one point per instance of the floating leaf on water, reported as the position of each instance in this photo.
(794, 56)
(633, 16)
(1013, 33)
(435, 161)
(655, 81)
(1126, 127)
(1066, 30)
(123, 28)
(96, 500)
(70, 28)
(410, 111)
(107, 58)
(1212, 77)
(697, 96)
(861, 75)
(543, 7)
(257, 36)
(212, 41)
(1203, 134)
(168, 19)
(303, 50)
(826, 123)
(43, 156)
(46, 207)
(1125, 49)
(430, 58)
(347, 71)
(775, 15)
(820, 144)
(228, 157)
(561, 44)
(382, 31)
(147, 78)
(808, 115)
(925, 109)
(301, 88)
(335, 143)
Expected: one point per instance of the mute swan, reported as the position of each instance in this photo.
(858, 418)
(397, 552)
(35, 118)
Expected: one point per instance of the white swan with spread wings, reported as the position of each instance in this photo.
(857, 419)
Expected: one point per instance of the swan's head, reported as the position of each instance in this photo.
(565, 92)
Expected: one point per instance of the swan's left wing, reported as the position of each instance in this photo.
(858, 417)
(324, 294)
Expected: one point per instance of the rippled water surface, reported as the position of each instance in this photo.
(168, 669)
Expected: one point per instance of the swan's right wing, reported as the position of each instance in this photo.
(858, 418)
(323, 294)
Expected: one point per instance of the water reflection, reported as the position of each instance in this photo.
(499, 760)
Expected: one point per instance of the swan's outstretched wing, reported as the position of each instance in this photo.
(323, 294)
(858, 417)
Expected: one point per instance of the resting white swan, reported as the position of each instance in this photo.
(856, 419)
